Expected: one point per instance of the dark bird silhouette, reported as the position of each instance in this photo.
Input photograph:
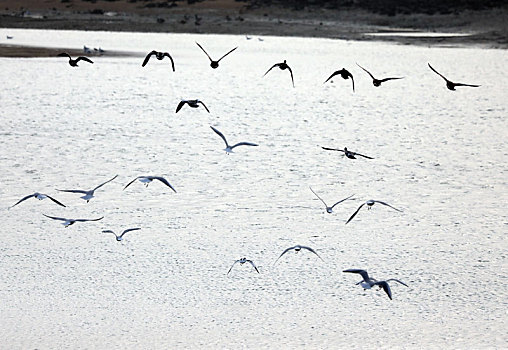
(68, 222)
(369, 282)
(39, 196)
(297, 248)
(344, 74)
(160, 56)
(329, 210)
(74, 63)
(377, 82)
(243, 261)
(191, 103)
(147, 179)
(282, 66)
(229, 149)
(370, 203)
(119, 238)
(215, 64)
(449, 84)
(90, 193)
(347, 153)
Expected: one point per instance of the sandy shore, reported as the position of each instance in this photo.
(483, 28)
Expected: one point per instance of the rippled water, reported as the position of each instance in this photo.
(439, 155)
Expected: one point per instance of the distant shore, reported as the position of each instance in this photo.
(486, 29)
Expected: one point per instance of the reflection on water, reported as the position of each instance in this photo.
(439, 156)
(419, 34)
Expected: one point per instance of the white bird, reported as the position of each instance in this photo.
(369, 282)
(229, 149)
(39, 196)
(243, 261)
(297, 248)
(329, 209)
(370, 203)
(88, 194)
(68, 222)
(119, 238)
(147, 179)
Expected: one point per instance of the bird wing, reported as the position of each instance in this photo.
(64, 54)
(171, 58)
(291, 72)
(102, 184)
(318, 197)
(366, 71)
(227, 54)
(147, 58)
(180, 105)
(356, 212)
(363, 273)
(385, 287)
(233, 263)
(272, 67)
(393, 279)
(164, 181)
(254, 266)
(221, 135)
(331, 76)
(74, 191)
(24, 199)
(244, 144)
(204, 106)
(54, 200)
(82, 58)
(361, 155)
(55, 218)
(342, 200)
(206, 53)
(352, 80)
(284, 252)
(311, 250)
(435, 71)
(461, 84)
(108, 231)
(387, 205)
(332, 149)
(131, 182)
(129, 230)
(83, 220)
(386, 79)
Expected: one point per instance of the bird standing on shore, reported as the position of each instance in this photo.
(215, 64)
(74, 63)
(344, 74)
(377, 82)
(282, 66)
(368, 282)
(160, 56)
(449, 84)
(90, 193)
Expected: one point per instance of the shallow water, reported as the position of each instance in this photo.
(439, 155)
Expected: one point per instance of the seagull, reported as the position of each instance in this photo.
(159, 56)
(147, 179)
(74, 63)
(344, 74)
(9, 37)
(282, 66)
(368, 282)
(370, 203)
(39, 196)
(89, 194)
(229, 149)
(68, 222)
(119, 238)
(86, 49)
(329, 209)
(214, 64)
(376, 82)
(191, 103)
(347, 153)
(449, 84)
(297, 248)
(243, 261)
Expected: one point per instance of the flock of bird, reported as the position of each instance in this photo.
(366, 283)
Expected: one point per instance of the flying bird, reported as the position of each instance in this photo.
(74, 63)
(68, 222)
(89, 194)
(39, 196)
(369, 282)
(160, 56)
(191, 103)
(282, 66)
(215, 64)
(344, 74)
(370, 203)
(243, 261)
(119, 238)
(297, 248)
(329, 209)
(377, 82)
(449, 84)
(347, 153)
(147, 179)
(229, 149)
